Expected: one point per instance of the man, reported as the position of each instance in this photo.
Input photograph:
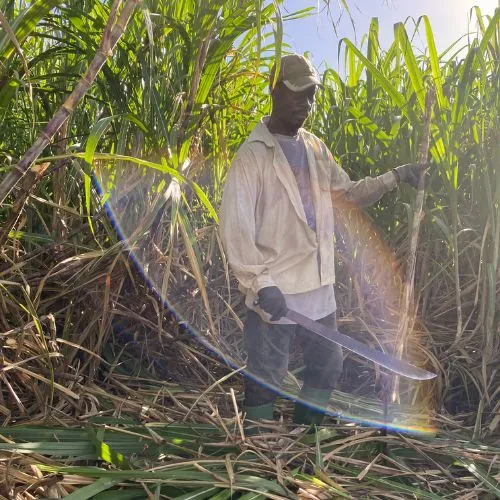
(277, 228)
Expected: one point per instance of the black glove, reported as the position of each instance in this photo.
(272, 301)
(411, 172)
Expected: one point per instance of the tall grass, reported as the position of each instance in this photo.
(83, 339)
(372, 122)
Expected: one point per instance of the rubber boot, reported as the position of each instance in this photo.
(305, 414)
(256, 413)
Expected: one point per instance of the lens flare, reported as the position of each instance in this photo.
(163, 224)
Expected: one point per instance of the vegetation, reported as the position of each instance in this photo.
(105, 393)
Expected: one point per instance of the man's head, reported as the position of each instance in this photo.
(293, 93)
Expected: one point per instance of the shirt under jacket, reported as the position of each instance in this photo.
(263, 225)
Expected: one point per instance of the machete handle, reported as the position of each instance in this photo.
(256, 303)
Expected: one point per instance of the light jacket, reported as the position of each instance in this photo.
(263, 226)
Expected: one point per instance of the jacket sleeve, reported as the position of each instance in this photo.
(237, 223)
(357, 194)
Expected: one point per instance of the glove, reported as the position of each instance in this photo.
(411, 172)
(272, 301)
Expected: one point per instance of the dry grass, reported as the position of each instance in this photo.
(99, 378)
(103, 394)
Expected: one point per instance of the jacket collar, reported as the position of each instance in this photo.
(283, 171)
(261, 133)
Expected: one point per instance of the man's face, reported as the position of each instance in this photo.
(291, 107)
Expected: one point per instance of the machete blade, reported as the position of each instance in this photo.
(395, 365)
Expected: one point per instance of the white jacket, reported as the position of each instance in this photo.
(262, 222)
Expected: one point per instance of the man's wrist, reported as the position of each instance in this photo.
(396, 174)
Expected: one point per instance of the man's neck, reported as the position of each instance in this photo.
(277, 126)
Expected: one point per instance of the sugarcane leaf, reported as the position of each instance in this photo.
(224, 494)
(392, 485)
(318, 453)
(104, 451)
(477, 470)
(411, 63)
(252, 496)
(205, 201)
(92, 490)
(200, 494)
(24, 24)
(372, 53)
(120, 494)
(95, 134)
(385, 83)
(437, 78)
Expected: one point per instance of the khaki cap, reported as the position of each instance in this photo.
(296, 72)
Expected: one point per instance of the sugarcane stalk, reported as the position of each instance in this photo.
(195, 84)
(111, 36)
(408, 308)
(29, 180)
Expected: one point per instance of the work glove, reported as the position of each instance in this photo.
(410, 173)
(272, 301)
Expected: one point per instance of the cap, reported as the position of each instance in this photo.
(296, 72)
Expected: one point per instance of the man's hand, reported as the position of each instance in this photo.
(411, 172)
(272, 301)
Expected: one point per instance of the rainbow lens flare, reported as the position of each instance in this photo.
(175, 245)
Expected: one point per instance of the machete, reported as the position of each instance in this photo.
(395, 365)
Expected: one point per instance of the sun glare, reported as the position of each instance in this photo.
(487, 6)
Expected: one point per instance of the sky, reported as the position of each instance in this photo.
(315, 35)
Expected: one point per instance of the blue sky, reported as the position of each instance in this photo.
(449, 19)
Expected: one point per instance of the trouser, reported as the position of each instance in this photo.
(268, 347)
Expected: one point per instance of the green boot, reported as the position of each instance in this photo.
(305, 414)
(256, 413)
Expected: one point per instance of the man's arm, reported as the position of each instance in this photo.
(237, 223)
(358, 194)
(365, 192)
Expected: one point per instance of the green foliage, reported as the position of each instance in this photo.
(373, 124)
(157, 133)
(201, 468)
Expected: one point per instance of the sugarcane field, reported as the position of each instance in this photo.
(249, 249)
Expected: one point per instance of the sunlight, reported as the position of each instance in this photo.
(131, 363)
(487, 6)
